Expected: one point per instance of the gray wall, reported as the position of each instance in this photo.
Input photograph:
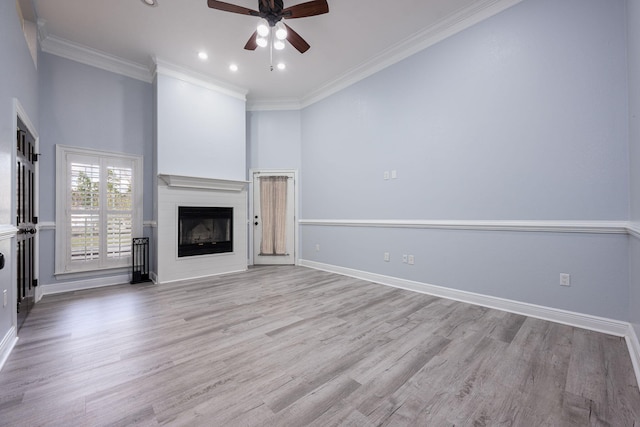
(18, 80)
(521, 117)
(273, 140)
(633, 28)
(201, 131)
(86, 107)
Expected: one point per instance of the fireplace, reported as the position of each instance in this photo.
(204, 230)
(196, 194)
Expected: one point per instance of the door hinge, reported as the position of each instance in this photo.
(35, 283)
(34, 220)
(34, 157)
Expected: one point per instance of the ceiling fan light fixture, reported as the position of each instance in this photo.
(278, 44)
(281, 31)
(263, 28)
(261, 41)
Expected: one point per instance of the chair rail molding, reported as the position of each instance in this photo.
(7, 231)
(600, 227)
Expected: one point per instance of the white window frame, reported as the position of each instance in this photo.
(64, 154)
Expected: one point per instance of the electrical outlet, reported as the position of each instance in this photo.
(404, 258)
(387, 256)
(386, 175)
(4, 298)
(317, 247)
(394, 174)
(411, 259)
(565, 279)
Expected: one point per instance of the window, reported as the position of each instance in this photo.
(98, 209)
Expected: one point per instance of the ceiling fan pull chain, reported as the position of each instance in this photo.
(271, 50)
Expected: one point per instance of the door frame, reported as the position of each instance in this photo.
(296, 195)
(19, 111)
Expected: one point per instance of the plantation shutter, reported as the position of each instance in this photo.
(83, 226)
(119, 212)
(101, 216)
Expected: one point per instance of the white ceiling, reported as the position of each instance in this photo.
(355, 39)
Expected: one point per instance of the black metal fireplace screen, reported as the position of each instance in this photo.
(204, 230)
(140, 257)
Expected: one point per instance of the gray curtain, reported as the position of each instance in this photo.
(273, 209)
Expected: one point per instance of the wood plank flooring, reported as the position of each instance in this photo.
(290, 346)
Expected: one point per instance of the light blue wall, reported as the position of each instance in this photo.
(83, 106)
(273, 139)
(521, 117)
(633, 29)
(201, 132)
(18, 80)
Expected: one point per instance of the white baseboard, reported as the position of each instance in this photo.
(585, 321)
(222, 273)
(78, 285)
(579, 320)
(634, 351)
(8, 342)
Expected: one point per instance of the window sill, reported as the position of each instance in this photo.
(110, 271)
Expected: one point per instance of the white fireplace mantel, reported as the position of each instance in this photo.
(177, 190)
(204, 183)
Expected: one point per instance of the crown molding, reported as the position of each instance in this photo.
(88, 56)
(453, 24)
(421, 40)
(283, 104)
(181, 73)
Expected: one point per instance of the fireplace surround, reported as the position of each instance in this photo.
(224, 196)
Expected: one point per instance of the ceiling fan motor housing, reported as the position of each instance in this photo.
(271, 11)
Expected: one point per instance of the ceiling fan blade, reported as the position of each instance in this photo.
(265, 4)
(296, 40)
(228, 7)
(310, 8)
(252, 44)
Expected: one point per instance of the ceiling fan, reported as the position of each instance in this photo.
(273, 11)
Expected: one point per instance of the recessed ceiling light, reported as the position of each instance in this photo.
(203, 55)
(150, 2)
(233, 67)
(281, 66)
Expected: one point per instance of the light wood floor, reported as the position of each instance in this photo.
(290, 346)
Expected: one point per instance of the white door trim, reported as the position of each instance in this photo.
(296, 190)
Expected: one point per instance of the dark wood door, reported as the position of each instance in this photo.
(26, 220)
